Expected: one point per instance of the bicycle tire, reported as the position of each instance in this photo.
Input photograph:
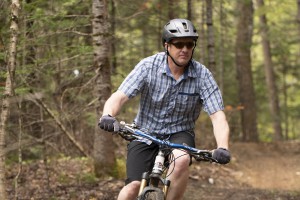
(151, 193)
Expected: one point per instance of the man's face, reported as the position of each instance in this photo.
(181, 49)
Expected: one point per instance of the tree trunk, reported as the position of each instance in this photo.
(298, 14)
(210, 37)
(221, 51)
(171, 9)
(298, 21)
(159, 24)
(9, 91)
(113, 31)
(244, 73)
(285, 100)
(270, 75)
(189, 10)
(201, 40)
(103, 153)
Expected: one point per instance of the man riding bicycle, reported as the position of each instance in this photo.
(173, 88)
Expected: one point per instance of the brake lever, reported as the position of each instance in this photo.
(124, 132)
(205, 157)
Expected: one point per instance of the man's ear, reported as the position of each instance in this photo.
(166, 46)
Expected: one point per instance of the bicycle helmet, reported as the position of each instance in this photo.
(178, 28)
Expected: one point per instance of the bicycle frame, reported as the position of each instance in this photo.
(140, 134)
(150, 180)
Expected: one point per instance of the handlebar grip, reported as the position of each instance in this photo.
(122, 124)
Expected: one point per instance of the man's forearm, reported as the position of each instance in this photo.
(114, 103)
(222, 135)
(221, 129)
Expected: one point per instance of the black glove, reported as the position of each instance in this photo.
(108, 123)
(221, 155)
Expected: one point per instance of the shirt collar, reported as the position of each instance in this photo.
(191, 71)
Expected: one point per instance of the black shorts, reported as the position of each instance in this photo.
(140, 156)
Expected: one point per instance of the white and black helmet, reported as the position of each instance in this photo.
(178, 28)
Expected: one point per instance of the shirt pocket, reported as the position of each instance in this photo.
(187, 102)
(158, 102)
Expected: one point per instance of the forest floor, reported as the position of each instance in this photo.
(263, 171)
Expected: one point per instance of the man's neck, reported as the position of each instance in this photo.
(175, 70)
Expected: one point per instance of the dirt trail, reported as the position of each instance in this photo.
(270, 166)
(257, 171)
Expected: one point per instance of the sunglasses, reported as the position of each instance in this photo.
(180, 45)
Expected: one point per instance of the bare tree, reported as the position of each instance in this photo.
(298, 13)
(171, 9)
(9, 90)
(159, 24)
(189, 10)
(210, 37)
(244, 73)
(298, 20)
(221, 56)
(201, 41)
(113, 31)
(270, 75)
(104, 157)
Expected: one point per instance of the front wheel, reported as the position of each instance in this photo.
(152, 193)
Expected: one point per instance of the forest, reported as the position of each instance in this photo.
(61, 60)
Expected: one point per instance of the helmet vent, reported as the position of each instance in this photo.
(173, 31)
(184, 25)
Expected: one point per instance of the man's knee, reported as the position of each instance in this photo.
(182, 161)
(129, 191)
(133, 186)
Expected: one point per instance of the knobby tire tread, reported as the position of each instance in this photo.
(153, 195)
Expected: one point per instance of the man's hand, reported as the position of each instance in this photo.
(108, 123)
(222, 155)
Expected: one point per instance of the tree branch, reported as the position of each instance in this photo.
(62, 127)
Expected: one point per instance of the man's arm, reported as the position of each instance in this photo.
(221, 129)
(114, 103)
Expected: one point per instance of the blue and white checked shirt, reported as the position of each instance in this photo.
(167, 105)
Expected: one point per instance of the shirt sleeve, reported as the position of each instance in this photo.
(211, 95)
(135, 81)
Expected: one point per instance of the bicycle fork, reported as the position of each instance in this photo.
(155, 177)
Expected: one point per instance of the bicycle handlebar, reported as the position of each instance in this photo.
(131, 132)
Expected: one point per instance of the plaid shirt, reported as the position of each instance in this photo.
(167, 105)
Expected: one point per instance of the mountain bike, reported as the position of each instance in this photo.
(154, 184)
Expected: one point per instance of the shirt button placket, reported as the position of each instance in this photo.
(172, 99)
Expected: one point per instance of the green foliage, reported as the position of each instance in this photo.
(89, 178)
(11, 159)
(120, 168)
(63, 178)
(28, 156)
(284, 39)
(56, 38)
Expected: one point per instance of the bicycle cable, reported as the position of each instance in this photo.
(172, 159)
